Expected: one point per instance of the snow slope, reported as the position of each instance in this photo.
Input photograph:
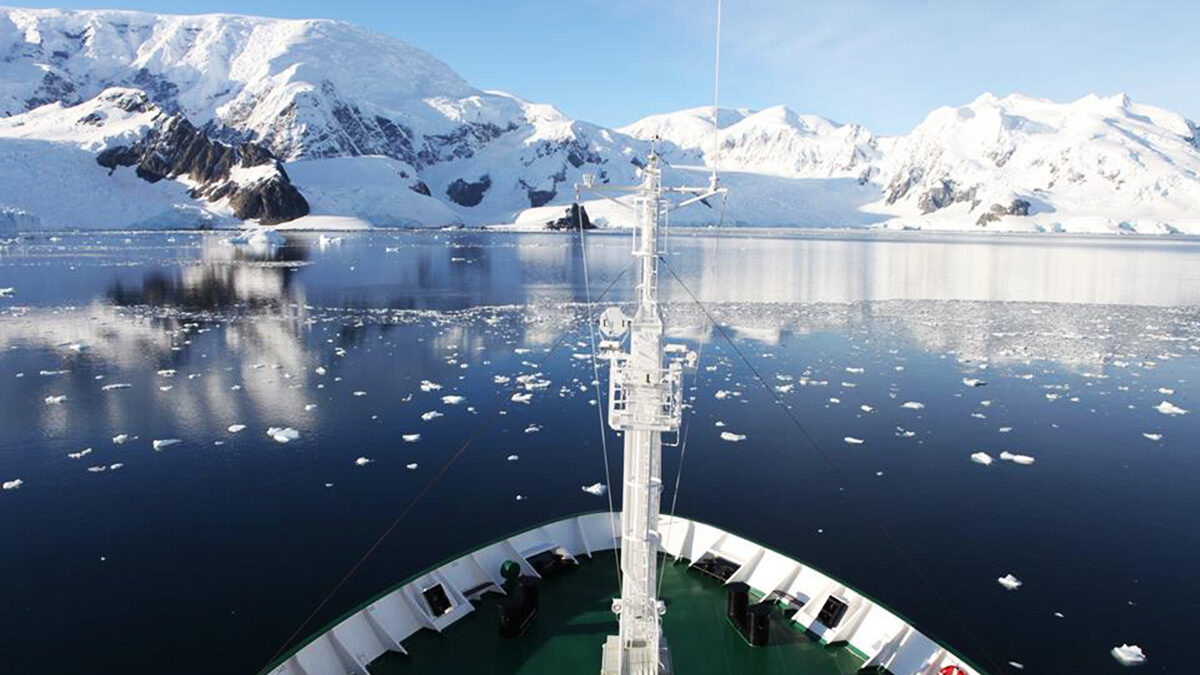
(373, 130)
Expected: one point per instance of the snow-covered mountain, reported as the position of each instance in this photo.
(117, 119)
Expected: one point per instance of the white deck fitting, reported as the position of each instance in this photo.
(383, 624)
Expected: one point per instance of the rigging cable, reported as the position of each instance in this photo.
(454, 457)
(877, 524)
(587, 285)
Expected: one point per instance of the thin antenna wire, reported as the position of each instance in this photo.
(717, 100)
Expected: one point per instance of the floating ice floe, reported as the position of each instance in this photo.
(784, 388)
(597, 489)
(120, 438)
(309, 407)
(263, 237)
(97, 469)
(981, 458)
(166, 388)
(78, 455)
(12, 484)
(835, 400)
(320, 370)
(1009, 582)
(362, 461)
(114, 467)
(411, 438)
(283, 434)
(866, 408)
(116, 386)
(1016, 664)
(853, 370)
(1129, 655)
(912, 405)
(1015, 458)
(453, 399)
(55, 400)
(360, 393)
(1166, 392)
(412, 466)
(718, 424)
(234, 428)
(973, 382)
(732, 437)
(1153, 437)
(1166, 408)
(426, 385)
(513, 458)
(1004, 430)
(161, 443)
(521, 498)
(532, 429)
(167, 372)
(501, 379)
(432, 414)
(853, 441)
(7, 292)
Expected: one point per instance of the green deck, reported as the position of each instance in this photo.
(575, 617)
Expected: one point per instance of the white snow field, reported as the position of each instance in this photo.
(375, 132)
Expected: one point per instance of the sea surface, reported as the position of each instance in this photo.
(204, 555)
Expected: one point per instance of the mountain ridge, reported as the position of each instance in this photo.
(329, 100)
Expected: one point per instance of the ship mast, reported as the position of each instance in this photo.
(645, 401)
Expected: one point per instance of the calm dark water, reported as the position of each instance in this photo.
(204, 556)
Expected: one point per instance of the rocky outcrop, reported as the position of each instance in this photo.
(574, 218)
(1017, 207)
(468, 194)
(176, 148)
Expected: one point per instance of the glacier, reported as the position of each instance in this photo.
(121, 119)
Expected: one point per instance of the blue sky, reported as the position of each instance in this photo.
(884, 64)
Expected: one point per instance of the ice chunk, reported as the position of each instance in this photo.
(426, 385)
(1129, 655)
(114, 467)
(866, 408)
(167, 372)
(513, 458)
(360, 393)
(1009, 582)
(1153, 437)
(501, 379)
(362, 461)
(912, 405)
(161, 443)
(453, 399)
(854, 371)
(1015, 458)
(732, 437)
(411, 466)
(82, 453)
(973, 382)
(55, 400)
(320, 370)
(411, 438)
(432, 414)
(120, 438)
(532, 429)
(597, 489)
(166, 388)
(1166, 392)
(234, 428)
(97, 469)
(309, 407)
(718, 424)
(1166, 408)
(1004, 430)
(853, 441)
(521, 498)
(981, 458)
(12, 484)
(522, 397)
(7, 292)
(283, 434)
(116, 386)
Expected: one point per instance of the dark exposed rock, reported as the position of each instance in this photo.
(945, 193)
(468, 194)
(574, 218)
(420, 188)
(902, 183)
(540, 197)
(175, 147)
(1017, 207)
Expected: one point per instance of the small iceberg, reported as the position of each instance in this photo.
(597, 489)
(411, 466)
(1016, 459)
(360, 393)
(7, 292)
(431, 415)
(732, 437)
(262, 237)
(1153, 437)
(427, 386)
(981, 458)
(12, 484)
(1166, 408)
(411, 438)
(532, 429)
(1009, 582)
(283, 434)
(522, 397)
(1129, 655)
(55, 400)
(912, 405)
(453, 399)
(81, 454)
(866, 408)
(513, 458)
(234, 428)
(853, 441)
(114, 387)
(362, 461)
(973, 382)
(164, 443)
(120, 438)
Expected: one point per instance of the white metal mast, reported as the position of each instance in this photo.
(645, 400)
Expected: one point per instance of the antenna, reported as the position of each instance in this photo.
(712, 179)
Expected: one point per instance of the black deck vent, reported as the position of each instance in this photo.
(439, 603)
(549, 562)
(717, 567)
(833, 612)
